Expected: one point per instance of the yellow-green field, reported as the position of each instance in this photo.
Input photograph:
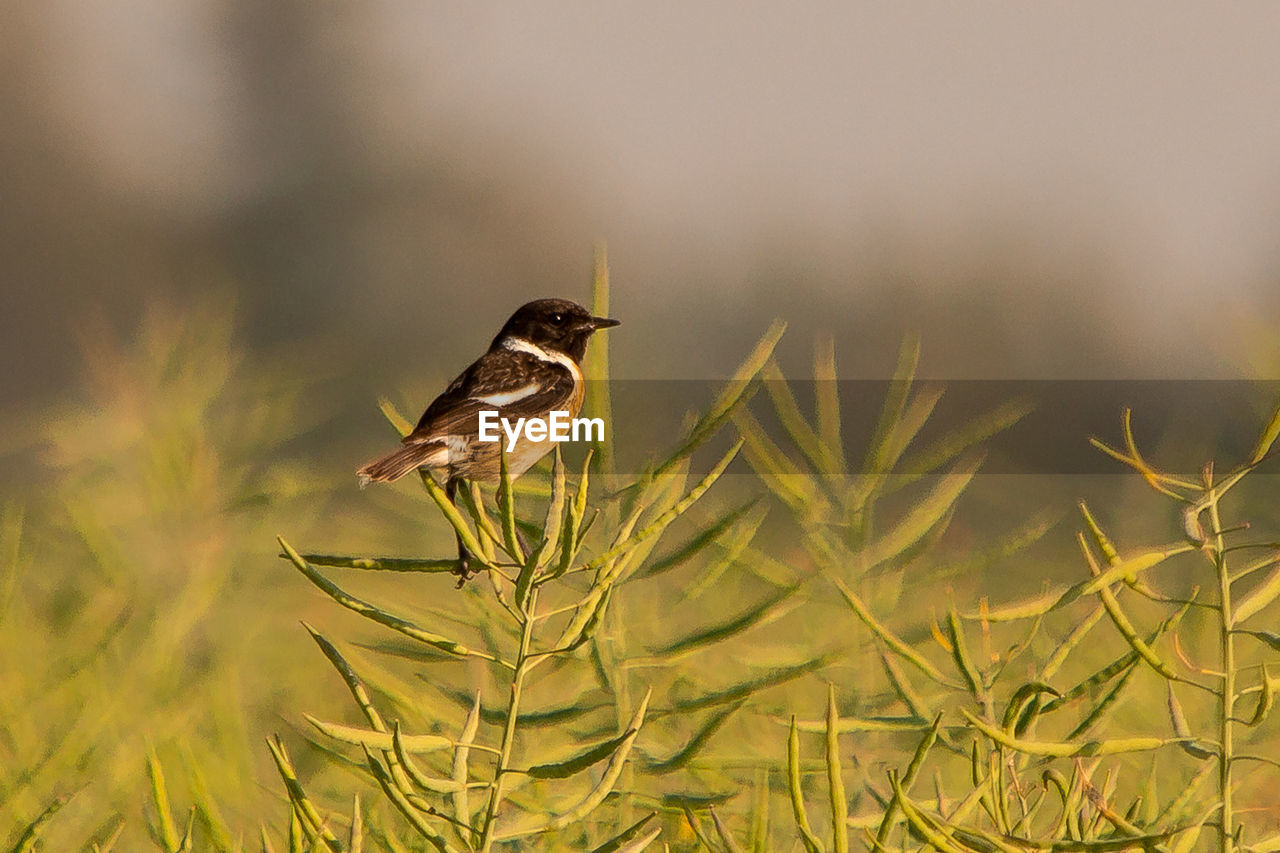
(841, 647)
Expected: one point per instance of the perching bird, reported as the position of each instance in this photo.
(529, 371)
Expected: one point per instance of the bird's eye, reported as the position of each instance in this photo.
(557, 319)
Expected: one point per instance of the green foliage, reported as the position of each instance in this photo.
(1024, 791)
(802, 657)
(555, 582)
(129, 605)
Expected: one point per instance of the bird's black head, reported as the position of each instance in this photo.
(556, 325)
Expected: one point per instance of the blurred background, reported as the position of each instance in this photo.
(229, 227)
(1043, 191)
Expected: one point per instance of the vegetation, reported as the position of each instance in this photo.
(798, 657)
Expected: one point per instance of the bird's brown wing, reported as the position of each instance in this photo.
(514, 384)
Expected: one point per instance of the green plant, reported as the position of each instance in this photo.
(859, 527)
(128, 609)
(1026, 791)
(556, 562)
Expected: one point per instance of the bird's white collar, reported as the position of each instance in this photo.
(530, 348)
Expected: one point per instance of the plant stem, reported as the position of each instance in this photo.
(1226, 704)
(509, 732)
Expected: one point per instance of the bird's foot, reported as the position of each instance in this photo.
(463, 569)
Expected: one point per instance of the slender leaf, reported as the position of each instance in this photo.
(925, 514)
(789, 415)
(31, 834)
(682, 756)
(372, 613)
(380, 741)
(1103, 705)
(507, 511)
(661, 523)
(302, 805)
(432, 784)
(571, 537)
(355, 837)
(455, 519)
(1266, 440)
(166, 830)
(461, 774)
(835, 779)
(736, 392)
(827, 400)
(415, 817)
(1066, 750)
(743, 689)
(897, 645)
(731, 844)
(379, 564)
(812, 843)
(630, 840)
(1266, 698)
(1183, 731)
(771, 608)
(963, 660)
(580, 762)
(707, 534)
(908, 779)
(1259, 598)
(1022, 697)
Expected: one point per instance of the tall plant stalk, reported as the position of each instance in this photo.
(528, 611)
(1226, 699)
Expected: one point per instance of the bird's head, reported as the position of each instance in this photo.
(556, 325)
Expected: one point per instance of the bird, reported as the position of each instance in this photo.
(531, 369)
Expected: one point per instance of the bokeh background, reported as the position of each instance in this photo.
(229, 227)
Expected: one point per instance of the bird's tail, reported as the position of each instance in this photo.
(395, 465)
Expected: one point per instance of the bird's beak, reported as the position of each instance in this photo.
(603, 322)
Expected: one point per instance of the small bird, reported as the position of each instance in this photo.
(530, 370)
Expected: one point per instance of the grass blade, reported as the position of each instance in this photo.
(908, 779)
(380, 741)
(379, 564)
(827, 400)
(374, 614)
(664, 520)
(166, 830)
(580, 762)
(835, 780)
(402, 804)
(27, 841)
(461, 773)
(355, 838)
(730, 843)
(682, 756)
(507, 511)
(736, 392)
(895, 644)
(302, 805)
(812, 843)
(630, 840)
(1117, 746)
